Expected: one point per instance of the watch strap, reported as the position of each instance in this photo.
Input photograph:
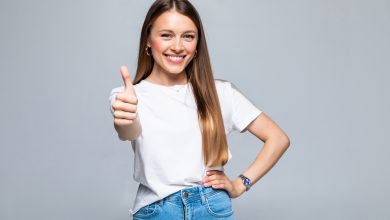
(246, 181)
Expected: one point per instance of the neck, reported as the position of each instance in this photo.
(167, 79)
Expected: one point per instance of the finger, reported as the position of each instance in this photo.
(127, 79)
(125, 97)
(212, 172)
(124, 115)
(214, 178)
(123, 122)
(210, 178)
(122, 106)
(218, 186)
(214, 175)
(214, 182)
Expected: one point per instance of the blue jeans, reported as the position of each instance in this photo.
(191, 203)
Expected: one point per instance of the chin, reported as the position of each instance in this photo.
(175, 71)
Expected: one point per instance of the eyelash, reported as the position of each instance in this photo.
(186, 36)
(166, 35)
(190, 36)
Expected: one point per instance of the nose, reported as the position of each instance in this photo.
(177, 45)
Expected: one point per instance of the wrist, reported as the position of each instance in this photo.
(246, 181)
(239, 186)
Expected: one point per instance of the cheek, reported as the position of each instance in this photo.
(191, 48)
(159, 46)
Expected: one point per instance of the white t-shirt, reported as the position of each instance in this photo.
(168, 153)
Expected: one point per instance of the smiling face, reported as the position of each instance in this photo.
(173, 39)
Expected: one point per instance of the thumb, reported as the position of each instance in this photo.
(127, 79)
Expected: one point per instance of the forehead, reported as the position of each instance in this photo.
(174, 21)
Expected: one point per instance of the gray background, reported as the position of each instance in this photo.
(318, 68)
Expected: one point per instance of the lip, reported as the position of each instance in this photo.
(167, 57)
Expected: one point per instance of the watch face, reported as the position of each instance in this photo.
(246, 181)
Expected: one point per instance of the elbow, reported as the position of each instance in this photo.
(285, 142)
(281, 140)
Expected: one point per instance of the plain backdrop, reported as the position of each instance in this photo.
(319, 68)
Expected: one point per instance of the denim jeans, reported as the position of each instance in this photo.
(193, 203)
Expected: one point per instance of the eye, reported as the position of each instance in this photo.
(189, 36)
(166, 35)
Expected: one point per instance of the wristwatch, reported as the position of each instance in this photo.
(246, 181)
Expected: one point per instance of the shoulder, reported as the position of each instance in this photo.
(222, 84)
(224, 87)
(224, 91)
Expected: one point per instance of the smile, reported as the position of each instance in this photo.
(174, 58)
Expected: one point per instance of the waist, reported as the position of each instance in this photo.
(193, 194)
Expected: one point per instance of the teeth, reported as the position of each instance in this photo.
(175, 58)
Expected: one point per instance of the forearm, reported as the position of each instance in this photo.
(271, 152)
(129, 132)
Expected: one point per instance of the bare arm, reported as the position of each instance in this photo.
(129, 132)
(276, 143)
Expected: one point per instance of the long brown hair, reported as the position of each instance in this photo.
(199, 75)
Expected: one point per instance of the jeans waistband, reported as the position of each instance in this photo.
(192, 194)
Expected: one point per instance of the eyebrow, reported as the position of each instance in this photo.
(167, 30)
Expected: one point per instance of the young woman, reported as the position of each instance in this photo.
(177, 116)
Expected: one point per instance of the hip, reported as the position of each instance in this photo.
(196, 202)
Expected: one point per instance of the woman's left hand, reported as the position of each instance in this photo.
(218, 180)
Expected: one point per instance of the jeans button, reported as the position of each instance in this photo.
(185, 194)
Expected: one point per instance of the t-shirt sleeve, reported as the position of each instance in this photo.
(243, 110)
(112, 97)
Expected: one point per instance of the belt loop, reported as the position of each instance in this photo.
(202, 197)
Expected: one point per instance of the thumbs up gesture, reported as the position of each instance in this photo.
(125, 104)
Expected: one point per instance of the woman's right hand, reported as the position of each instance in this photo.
(125, 104)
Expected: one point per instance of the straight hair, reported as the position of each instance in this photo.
(199, 74)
